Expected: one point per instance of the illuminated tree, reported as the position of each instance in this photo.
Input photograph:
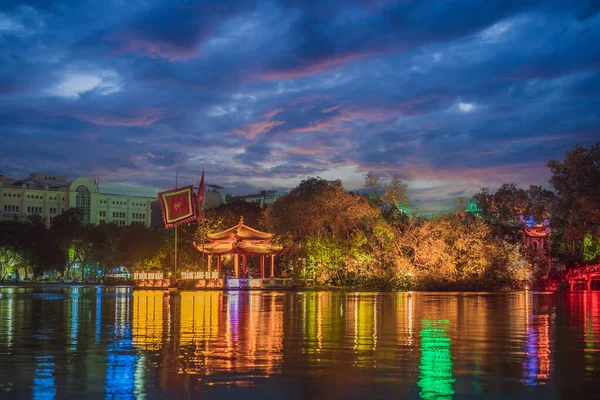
(10, 261)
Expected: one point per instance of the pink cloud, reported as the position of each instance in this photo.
(318, 67)
(265, 124)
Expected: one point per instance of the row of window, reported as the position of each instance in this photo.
(122, 203)
(35, 210)
(31, 196)
(118, 214)
(119, 222)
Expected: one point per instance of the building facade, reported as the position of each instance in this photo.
(49, 195)
(264, 198)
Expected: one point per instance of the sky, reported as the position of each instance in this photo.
(451, 96)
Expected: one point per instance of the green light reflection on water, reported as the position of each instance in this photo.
(435, 368)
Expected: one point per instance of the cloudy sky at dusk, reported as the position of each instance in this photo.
(450, 95)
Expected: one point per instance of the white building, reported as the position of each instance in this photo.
(48, 195)
(264, 198)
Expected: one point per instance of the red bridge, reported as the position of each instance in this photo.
(581, 278)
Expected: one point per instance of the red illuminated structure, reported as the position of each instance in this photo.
(240, 241)
(582, 277)
(536, 237)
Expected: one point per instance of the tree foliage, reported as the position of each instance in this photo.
(577, 213)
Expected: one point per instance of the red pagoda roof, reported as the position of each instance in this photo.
(239, 239)
(240, 232)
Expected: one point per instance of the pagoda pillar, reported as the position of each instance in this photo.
(219, 266)
(262, 267)
(209, 263)
(272, 265)
(236, 265)
(244, 266)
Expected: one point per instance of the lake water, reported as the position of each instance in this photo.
(96, 343)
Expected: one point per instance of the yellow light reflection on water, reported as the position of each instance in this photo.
(199, 316)
(149, 309)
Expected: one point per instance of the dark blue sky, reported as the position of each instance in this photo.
(450, 95)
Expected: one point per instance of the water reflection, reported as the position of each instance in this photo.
(435, 378)
(118, 343)
(121, 358)
(43, 381)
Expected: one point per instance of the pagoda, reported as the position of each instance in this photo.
(241, 241)
(536, 236)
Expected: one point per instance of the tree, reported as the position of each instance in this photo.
(67, 229)
(10, 261)
(395, 193)
(540, 202)
(577, 181)
(373, 185)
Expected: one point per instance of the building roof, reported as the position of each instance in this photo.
(240, 232)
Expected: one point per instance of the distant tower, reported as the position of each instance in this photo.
(536, 236)
(473, 207)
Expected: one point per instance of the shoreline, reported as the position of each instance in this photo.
(29, 285)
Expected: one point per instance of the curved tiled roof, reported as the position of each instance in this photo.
(240, 232)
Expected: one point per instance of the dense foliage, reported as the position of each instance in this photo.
(350, 242)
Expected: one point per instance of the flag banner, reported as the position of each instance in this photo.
(177, 206)
(200, 198)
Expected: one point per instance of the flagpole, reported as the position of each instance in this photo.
(203, 231)
(175, 275)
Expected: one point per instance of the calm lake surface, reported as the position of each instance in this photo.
(97, 343)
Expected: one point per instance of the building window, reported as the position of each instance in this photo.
(82, 201)
(103, 213)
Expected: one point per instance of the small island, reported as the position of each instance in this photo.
(319, 235)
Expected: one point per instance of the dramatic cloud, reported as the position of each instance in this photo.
(452, 96)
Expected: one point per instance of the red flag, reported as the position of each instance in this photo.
(177, 206)
(200, 198)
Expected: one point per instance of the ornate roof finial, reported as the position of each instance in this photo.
(241, 220)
